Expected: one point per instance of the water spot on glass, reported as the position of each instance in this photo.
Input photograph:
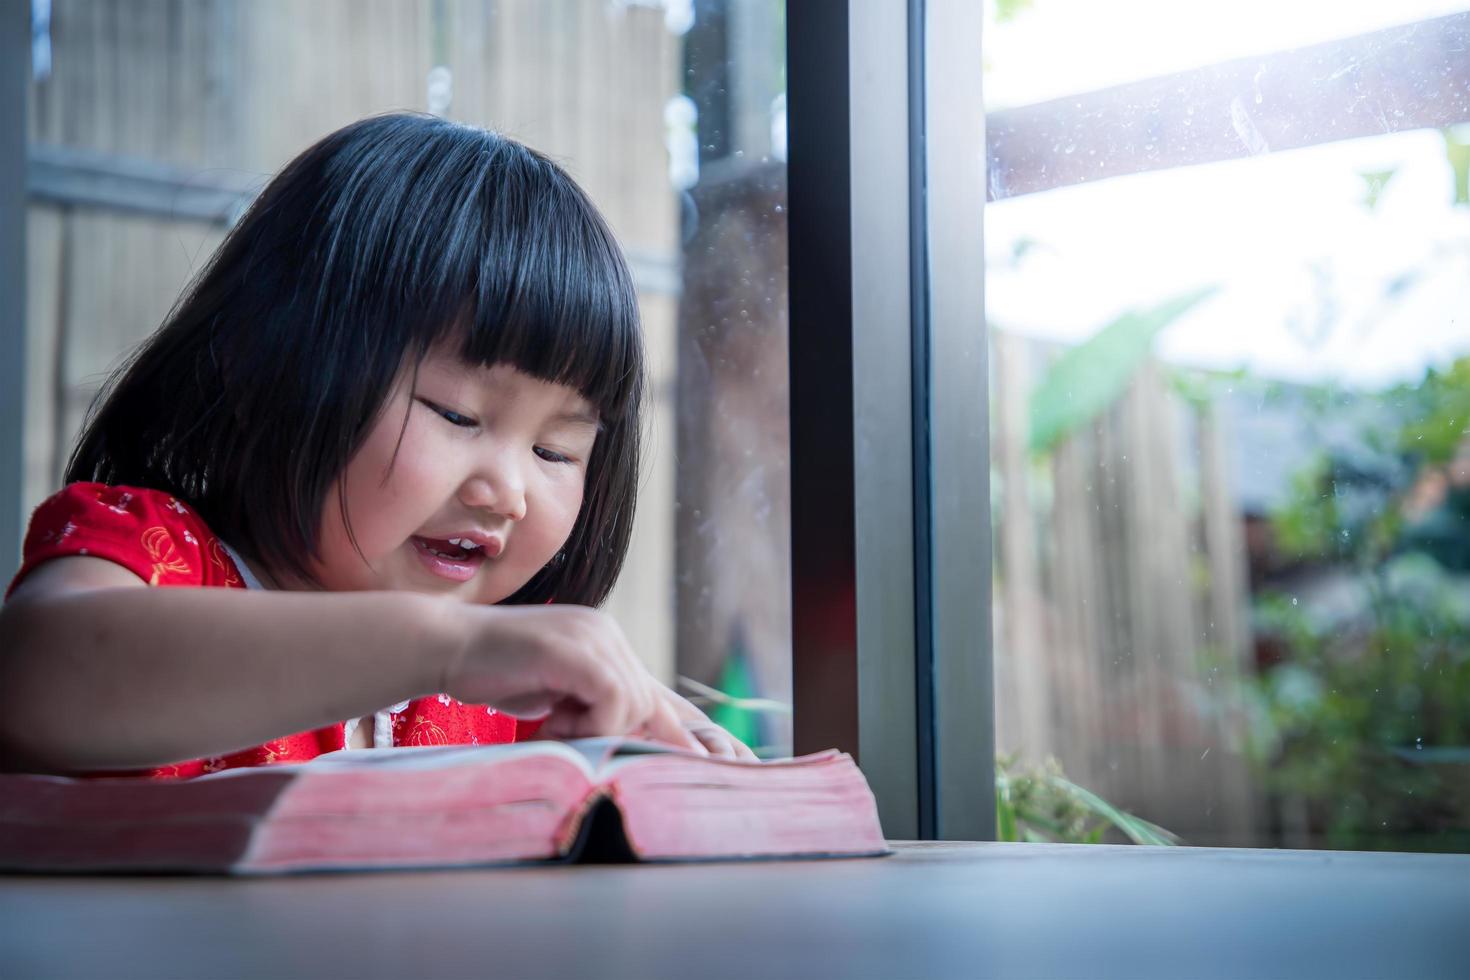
(1293, 600)
(1245, 128)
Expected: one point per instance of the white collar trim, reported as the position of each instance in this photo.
(246, 575)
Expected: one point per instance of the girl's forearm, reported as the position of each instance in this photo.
(124, 678)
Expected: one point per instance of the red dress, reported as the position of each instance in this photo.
(165, 543)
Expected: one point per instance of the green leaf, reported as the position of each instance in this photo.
(1376, 181)
(1139, 831)
(1005, 810)
(738, 683)
(1087, 379)
(1007, 10)
(1457, 146)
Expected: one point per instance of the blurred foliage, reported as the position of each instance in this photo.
(1041, 805)
(1441, 409)
(1085, 380)
(1008, 10)
(1376, 181)
(1365, 716)
(733, 714)
(1457, 146)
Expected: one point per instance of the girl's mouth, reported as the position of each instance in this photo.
(449, 560)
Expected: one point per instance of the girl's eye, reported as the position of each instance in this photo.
(453, 418)
(552, 457)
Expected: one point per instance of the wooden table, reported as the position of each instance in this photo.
(930, 910)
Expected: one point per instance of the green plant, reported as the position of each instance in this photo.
(1365, 715)
(1085, 380)
(1039, 804)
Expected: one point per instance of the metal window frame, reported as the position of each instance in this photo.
(15, 69)
(890, 539)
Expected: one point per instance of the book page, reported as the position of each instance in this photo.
(626, 752)
(427, 757)
(598, 758)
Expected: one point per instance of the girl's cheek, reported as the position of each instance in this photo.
(567, 503)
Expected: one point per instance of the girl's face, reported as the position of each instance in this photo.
(483, 492)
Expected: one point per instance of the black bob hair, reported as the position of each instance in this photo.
(388, 236)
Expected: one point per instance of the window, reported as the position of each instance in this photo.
(1226, 260)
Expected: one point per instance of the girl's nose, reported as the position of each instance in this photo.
(502, 493)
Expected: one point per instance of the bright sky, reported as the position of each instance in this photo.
(1303, 262)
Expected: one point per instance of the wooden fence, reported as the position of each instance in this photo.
(1121, 602)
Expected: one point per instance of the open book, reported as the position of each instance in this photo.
(590, 800)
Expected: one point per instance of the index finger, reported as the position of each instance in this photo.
(665, 726)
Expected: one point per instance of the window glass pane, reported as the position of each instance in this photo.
(1227, 270)
(154, 124)
(733, 499)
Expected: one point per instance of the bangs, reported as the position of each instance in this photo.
(485, 244)
(553, 295)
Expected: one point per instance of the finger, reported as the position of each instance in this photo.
(596, 701)
(714, 738)
(665, 726)
(738, 749)
(527, 707)
(690, 712)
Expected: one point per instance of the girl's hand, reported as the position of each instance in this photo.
(719, 742)
(570, 665)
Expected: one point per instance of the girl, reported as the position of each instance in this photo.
(396, 417)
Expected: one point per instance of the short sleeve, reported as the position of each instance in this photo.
(155, 536)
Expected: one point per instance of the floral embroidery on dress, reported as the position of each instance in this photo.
(66, 531)
(444, 699)
(222, 561)
(174, 505)
(160, 547)
(120, 501)
(425, 732)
